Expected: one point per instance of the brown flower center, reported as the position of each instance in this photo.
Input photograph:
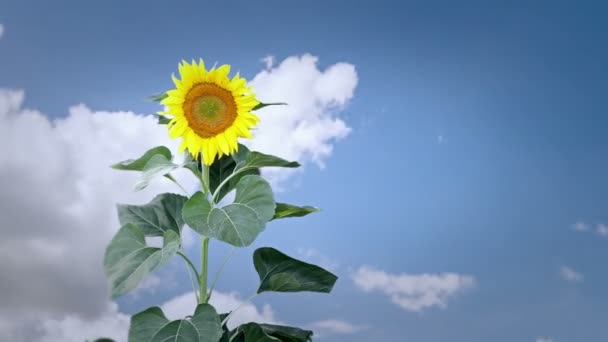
(209, 109)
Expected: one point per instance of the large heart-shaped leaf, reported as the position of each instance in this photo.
(152, 325)
(164, 212)
(238, 223)
(139, 163)
(128, 260)
(281, 273)
(208, 323)
(180, 330)
(284, 210)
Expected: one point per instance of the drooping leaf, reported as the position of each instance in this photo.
(286, 333)
(158, 165)
(158, 97)
(238, 223)
(262, 105)
(284, 210)
(253, 332)
(281, 273)
(208, 323)
(152, 325)
(128, 260)
(154, 218)
(139, 163)
(104, 339)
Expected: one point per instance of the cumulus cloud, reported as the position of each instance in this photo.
(307, 127)
(58, 193)
(183, 305)
(114, 324)
(413, 292)
(570, 274)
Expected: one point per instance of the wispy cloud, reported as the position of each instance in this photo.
(602, 230)
(334, 326)
(1, 30)
(544, 339)
(580, 226)
(314, 256)
(570, 274)
(413, 292)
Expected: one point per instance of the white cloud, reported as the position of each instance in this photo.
(580, 226)
(413, 292)
(544, 339)
(184, 305)
(115, 325)
(570, 274)
(1, 30)
(602, 230)
(268, 61)
(59, 194)
(334, 326)
(307, 127)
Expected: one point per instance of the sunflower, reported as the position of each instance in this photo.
(209, 110)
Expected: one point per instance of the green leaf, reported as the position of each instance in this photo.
(287, 334)
(258, 159)
(158, 97)
(281, 273)
(193, 165)
(208, 323)
(128, 260)
(139, 163)
(223, 168)
(238, 223)
(176, 331)
(262, 105)
(253, 332)
(104, 339)
(162, 213)
(152, 325)
(146, 323)
(284, 210)
(158, 165)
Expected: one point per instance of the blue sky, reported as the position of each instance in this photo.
(478, 140)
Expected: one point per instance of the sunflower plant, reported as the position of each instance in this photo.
(209, 111)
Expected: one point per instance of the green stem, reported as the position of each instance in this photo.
(189, 264)
(177, 183)
(204, 265)
(219, 187)
(219, 271)
(238, 307)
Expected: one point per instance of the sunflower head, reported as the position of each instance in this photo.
(209, 110)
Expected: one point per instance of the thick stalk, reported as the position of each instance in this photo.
(204, 265)
(203, 298)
